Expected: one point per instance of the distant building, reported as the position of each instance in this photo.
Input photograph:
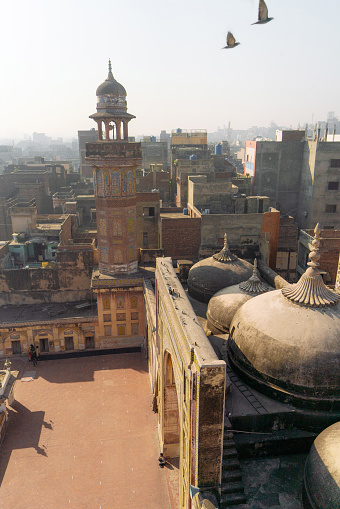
(84, 137)
(301, 178)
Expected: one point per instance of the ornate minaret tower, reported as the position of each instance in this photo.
(114, 160)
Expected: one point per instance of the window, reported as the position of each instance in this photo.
(120, 317)
(134, 329)
(335, 163)
(333, 186)
(330, 208)
(148, 211)
(134, 316)
(107, 318)
(107, 330)
(121, 330)
(145, 240)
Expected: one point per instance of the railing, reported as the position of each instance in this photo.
(113, 149)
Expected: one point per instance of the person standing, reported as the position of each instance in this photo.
(33, 355)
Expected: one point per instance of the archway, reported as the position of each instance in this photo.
(171, 413)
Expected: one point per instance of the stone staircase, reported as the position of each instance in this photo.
(232, 491)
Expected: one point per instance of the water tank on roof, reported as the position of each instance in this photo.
(185, 212)
(152, 138)
(218, 149)
(178, 130)
(193, 157)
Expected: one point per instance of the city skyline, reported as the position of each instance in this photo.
(169, 59)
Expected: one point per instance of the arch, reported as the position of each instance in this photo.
(171, 420)
(115, 183)
(118, 256)
(106, 183)
(124, 183)
(106, 303)
(100, 186)
(130, 183)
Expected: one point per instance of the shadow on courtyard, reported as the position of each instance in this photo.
(73, 368)
(23, 432)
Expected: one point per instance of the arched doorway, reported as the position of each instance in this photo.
(171, 413)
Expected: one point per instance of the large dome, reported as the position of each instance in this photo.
(224, 304)
(287, 342)
(219, 271)
(322, 471)
(110, 86)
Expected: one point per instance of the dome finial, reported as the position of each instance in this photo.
(310, 290)
(110, 75)
(254, 283)
(225, 255)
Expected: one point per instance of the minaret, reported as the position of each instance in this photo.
(114, 160)
(118, 285)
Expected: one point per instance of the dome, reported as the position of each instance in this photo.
(322, 471)
(287, 342)
(110, 86)
(219, 271)
(224, 304)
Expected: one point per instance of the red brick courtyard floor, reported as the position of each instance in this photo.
(82, 435)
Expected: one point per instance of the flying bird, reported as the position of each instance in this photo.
(263, 14)
(231, 41)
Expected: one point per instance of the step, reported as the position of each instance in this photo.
(229, 444)
(233, 499)
(230, 464)
(230, 453)
(228, 435)
(231, 476)
(232, 487)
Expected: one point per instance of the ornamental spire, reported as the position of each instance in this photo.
(225, 255)
(254, 283)
(310, 290)
(110, 75)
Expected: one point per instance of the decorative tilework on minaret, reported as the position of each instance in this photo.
(114, 160)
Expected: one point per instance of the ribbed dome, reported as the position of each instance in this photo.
(291, 349)
(322, 471)
(224, 304)
(110, 86)
(219, 271)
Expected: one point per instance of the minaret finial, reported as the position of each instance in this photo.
(254, 285)
(310, 290)
(225, 255)
(110, 75)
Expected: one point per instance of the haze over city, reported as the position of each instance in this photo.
(168, 56)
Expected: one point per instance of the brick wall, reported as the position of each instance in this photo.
(181, 237)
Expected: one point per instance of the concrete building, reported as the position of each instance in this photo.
(154, 152)
(299, 176)
(84, 137)
(329, 257)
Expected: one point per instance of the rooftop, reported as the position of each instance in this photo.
(38, 313)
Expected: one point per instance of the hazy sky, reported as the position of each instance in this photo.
(168, 56)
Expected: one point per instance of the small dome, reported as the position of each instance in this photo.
(110, 86)
(219, 271)
(287, 342)
(322, 471)
(224, 304)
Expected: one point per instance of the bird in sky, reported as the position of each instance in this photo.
(263, 14)
(231, 41)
